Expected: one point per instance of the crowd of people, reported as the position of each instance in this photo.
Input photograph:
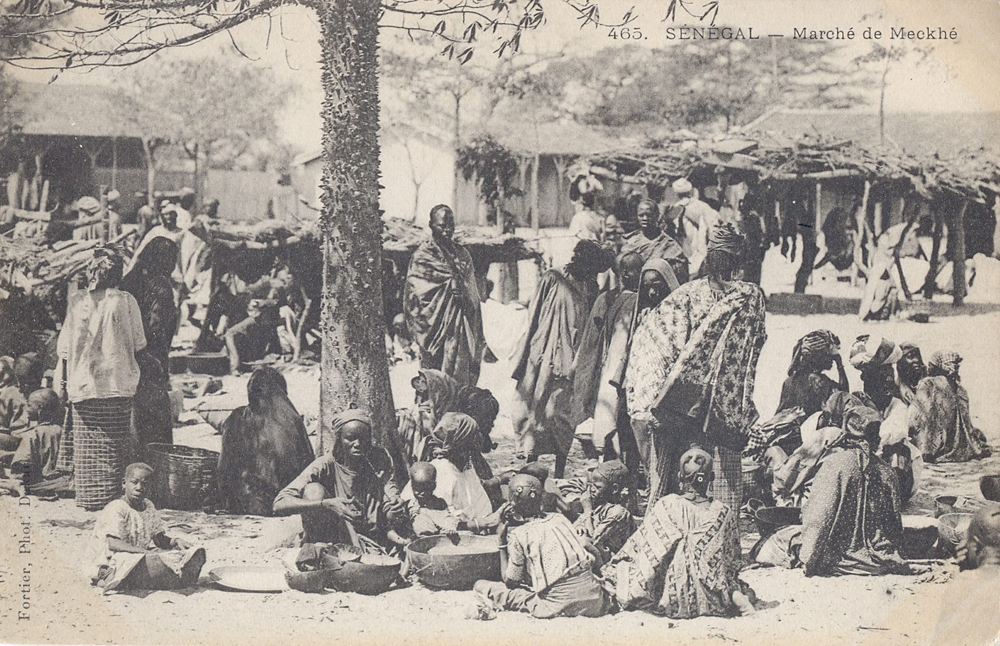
(654, 365)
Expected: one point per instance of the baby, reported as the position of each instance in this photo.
(605, 522)
(132, 551)
(427, 515)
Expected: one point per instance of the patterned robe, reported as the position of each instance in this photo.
(681, 562)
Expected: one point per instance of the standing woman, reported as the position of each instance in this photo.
(98, 343)
(691, 371)
(149, 283)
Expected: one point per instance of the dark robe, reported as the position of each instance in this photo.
(851, 522)
(544, 364)
(807, 390)
(608, 309)
(443, 310)
(940, 423)
(264, 447)
(662, 246)
(154, 294)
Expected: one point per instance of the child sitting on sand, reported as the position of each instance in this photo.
(132, 550)
(427, 515)
(683, 560)
(552, 500)
(969, 607)
(605, 522)
(546, 567)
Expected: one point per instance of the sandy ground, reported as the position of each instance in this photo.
(45, 543)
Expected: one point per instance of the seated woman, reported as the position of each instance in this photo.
(13, 407)
(482, 406)
(452, 444)
(339, 495)
(807, 386)
(132, 552)
(876, 357)
(682, 561)
(546, 567)
(939, 420)
(264, 446)
(434, 395)
(803, 394)
(37, 455)
(910, 369)
(851, 522)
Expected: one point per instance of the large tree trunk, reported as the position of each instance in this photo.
(355, 369)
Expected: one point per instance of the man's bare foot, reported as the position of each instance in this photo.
(743, 604)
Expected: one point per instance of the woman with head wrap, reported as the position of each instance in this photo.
(264, 446)
(684, 559)
(875, 357)
(450, 448)
(938, 417)
(657, 280)
(434, 395)
(149, 283)
(651, 241)
(98, 344)
(909, 371)
(691, 372)
(851, 521)
(543, 415)
(806, 385)
(339, 495)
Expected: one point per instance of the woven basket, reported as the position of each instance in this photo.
(183, 476)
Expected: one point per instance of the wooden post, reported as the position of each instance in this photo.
(930, 282)
(114, 162)
(536, 218)
(957, 243)
(860, 217)
(560, 163)
(105, 223)
(819, 207)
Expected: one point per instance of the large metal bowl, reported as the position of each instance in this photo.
(770, 519)
(440, 563)
(990, 487)
(372, 574)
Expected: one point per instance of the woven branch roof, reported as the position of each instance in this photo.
(399, 238)
(974, 175)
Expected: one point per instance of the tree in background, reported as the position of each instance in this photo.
(220, 109)
(707, 84)
(355, 369)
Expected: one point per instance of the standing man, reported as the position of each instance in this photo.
(442, 304)
(651, 241)
(693, 221)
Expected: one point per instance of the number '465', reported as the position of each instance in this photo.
(626, 33)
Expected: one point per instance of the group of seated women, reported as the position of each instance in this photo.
(851, 460)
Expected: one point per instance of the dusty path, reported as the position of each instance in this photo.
(796, 610)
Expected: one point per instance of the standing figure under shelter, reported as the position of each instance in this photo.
(442, 303)
(544, 360)
(691, 371)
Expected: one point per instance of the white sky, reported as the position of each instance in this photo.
(962, 75)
